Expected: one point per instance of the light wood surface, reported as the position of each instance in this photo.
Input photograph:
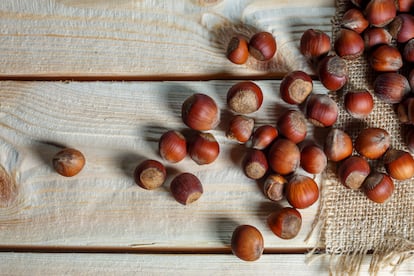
(82, 225)
(117, 125)
(149, 39)
(147, 264)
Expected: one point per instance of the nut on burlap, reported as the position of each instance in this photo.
(351, 226)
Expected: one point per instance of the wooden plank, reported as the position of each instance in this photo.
(108, 39)
(117, 125)
(147, 264)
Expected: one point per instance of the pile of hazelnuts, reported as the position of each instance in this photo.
(275, 153)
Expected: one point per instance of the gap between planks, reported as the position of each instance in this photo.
(139, 249)
(121, 78)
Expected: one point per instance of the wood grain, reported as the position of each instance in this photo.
(106, 39)
(116, 125)
(148, 264)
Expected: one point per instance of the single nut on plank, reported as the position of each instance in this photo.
(301, 191)
(244, 97)
(186, 188)
(285, 223)
(68, 162)
(172, 146)
(200, 112)
(296, 87)
(255, 164)
(247, 243)
(274, 187)
(150, 174)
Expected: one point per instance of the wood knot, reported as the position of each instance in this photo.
(8, 189)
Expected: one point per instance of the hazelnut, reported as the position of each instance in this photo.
(68, 162)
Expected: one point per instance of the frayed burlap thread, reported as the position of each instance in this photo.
(351, 226)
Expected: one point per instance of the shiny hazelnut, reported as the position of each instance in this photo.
(240, 128)
(375, 36)
(68, 162)
(355, 20)
(200, 112)
(313, 159)
(247, 243)
(380, 12)
(378, 187)
(405, 111)
(352, 171)
(405, 5)
(372, 142)
(255, 164)
(285, 223)
(315, 43)
(349, 44)
(204, 148)
(391, 87)
(263, 136)
(274, 187)
(409, 139)
(333, 72)
(321, 110)
(292, 125)
(402, 27)
(262, 46)
(301, 191)
(150, 174)
(284, 156)
(186, 188)
(172, 146)
(295, 87)
(411, 79)
(244, 97)
(385, 58)
(338, 145)
(408, 51)
(359, 103)
(238, 50)
(399, 164)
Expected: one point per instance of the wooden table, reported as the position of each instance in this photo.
(108, 77)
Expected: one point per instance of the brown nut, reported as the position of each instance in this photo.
(292, 125)
(372, 142)
(200, 112)
(204, 148)
(68, 162)
(313, 159)
(385, 58)
(301, 191)
(399, 164)
(380, 12)
(244, 97)
(263, 136)
(262, 46)
(240, 128)
(285, 223)
(274, 187)
(353, 171)
(255, 164)
(314, 44)
(172, 146)
(247, 243)
(333, 72)
(378, 187)
(150, 174)
(295, 87)
(349, 44)
(186, 188)
(284, 156)
(359, 103)
(391, 87)
(338, 145)
(238, 50)
(321, 110)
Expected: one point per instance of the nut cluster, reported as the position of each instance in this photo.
(261, 46)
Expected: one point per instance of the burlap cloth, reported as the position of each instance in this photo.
(351, 226)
